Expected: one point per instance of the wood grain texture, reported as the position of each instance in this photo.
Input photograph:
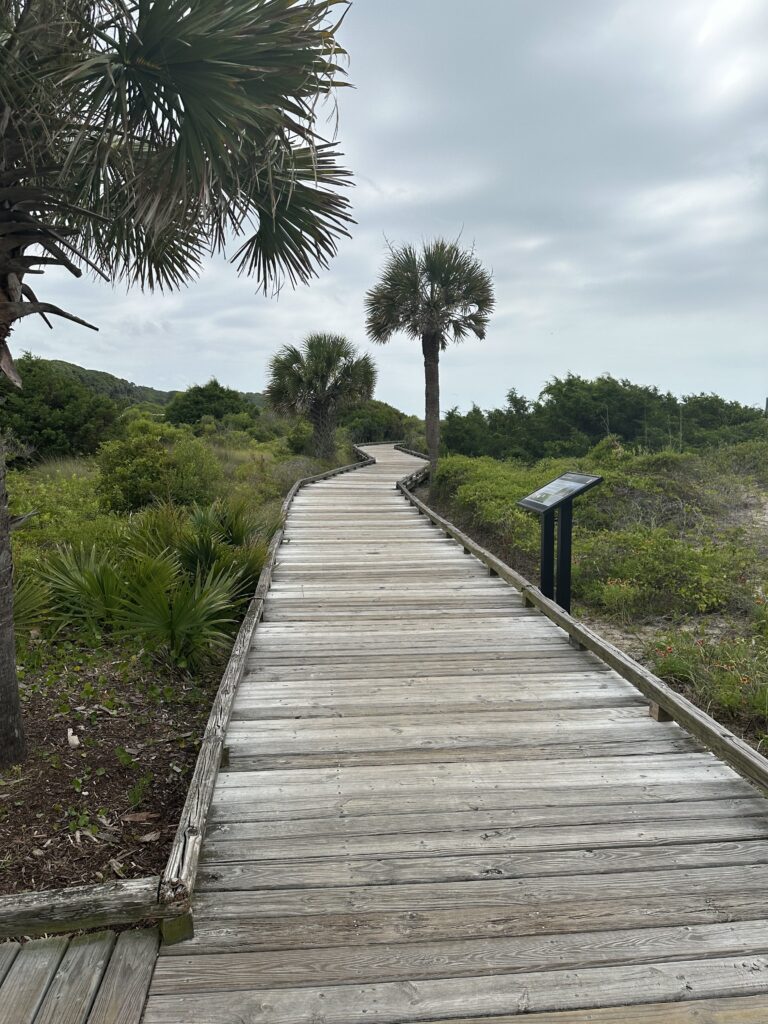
(27, 981)
(81, 907)
(469, 958)
(178, 879)
(745, 1010)
(521, 994)
(77, 980)
(123, 991)
(8, 952)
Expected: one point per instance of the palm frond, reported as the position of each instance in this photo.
(139, 136)
(442, 291)
(327, 371)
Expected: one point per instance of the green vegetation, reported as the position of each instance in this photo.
(675, 544)
(54, 415)
(156, 461)
(121, 391)
(378, 421)
(211, 399)
(573, 414)
(156, 544)
(439, 294)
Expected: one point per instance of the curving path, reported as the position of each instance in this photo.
(436, 809)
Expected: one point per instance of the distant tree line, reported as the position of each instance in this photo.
(572, 414)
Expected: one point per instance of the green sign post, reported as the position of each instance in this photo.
(555, 501)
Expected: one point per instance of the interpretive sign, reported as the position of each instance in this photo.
(564, 488)
(556, 497)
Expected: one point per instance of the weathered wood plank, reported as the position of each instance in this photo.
(80, 907)
(737, 1010)
(77, 980)
(8, 952)
(218, 930)
(242, 758)
(511, 818)
(27, 981)
(394, 779)
(472, 958)
(499, 893)
(123, 991)
(720, 837)
(251, 809)
(226, 872)
(534, 992)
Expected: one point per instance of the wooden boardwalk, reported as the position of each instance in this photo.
(436, 809)
(101, 978)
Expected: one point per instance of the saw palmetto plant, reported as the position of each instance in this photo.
(137, 137)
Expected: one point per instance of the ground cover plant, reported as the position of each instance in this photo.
(670, 557)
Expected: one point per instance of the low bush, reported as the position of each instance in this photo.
(31, 603)
(642, 572)
(728, 675)
(156, 462)
(183, 620)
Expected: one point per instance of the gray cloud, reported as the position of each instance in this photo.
(609, 161)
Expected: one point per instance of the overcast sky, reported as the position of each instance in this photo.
(607, 158)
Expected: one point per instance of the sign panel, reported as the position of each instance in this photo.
(558, 491)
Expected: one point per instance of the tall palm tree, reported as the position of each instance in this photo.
(137, 137)
(435, 295)
(319, 380)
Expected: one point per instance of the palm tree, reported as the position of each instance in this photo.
(438, 294)
(137, 137)
(319, 380)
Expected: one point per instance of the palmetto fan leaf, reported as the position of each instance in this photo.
(442, 291)
(318, 380)
(142, 135)
(326, 369)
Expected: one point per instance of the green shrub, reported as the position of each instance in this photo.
(641, 572)
(63, 495)
(155, 462)
(211, 399)
(300, 438)
(55, 414)
(653, 539)
(85, 586)
(156, 529)
(194, 473)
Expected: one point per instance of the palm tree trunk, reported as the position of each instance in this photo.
(430, 346)
(13, 746)
(324, 438)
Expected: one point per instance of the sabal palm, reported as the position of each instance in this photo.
(319, 380)
(137, 137)
(435, 295)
